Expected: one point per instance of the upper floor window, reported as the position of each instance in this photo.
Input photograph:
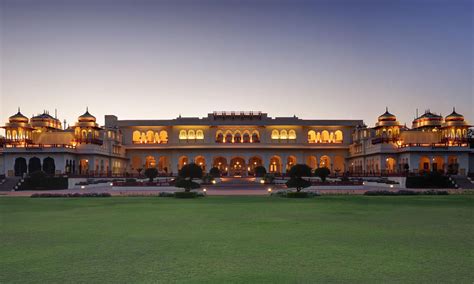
(150, 137)
(236, 136)
(191, 134)
(283, 134)
(325, 136)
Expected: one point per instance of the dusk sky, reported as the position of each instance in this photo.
(314, 59)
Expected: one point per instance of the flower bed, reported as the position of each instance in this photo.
(141, 184)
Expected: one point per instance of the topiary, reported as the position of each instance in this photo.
(322, 173)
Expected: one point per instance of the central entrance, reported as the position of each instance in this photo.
(237, 167)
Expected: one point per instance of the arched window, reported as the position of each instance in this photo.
(191, 134)
(9, 134)
(311, 136)
(275, 134)
(255, 137)
(338, 135)
(228, 137)
(150, 136)
(163, 136)
(318, 137)
(199, 134)
(157, 137)
(283, 134)
(331, 137)
(246, 137)
(183, 135)
(220, 137)
(143, 138)
(237, 137)
(292, 134)
(136, 136)
(325, 136)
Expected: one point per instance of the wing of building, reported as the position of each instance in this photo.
(236, 143)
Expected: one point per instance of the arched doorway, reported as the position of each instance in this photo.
(253, 163)
(390, 165)
(237, 167)
(200, 161)
(312, 162)
(163, 164)
(275, 164)
(325, 162)
(221, 164)
(438, 164)
(34, 165)
(84, 166)
(339, 165)
(150, 162)
(182, 161)
(20, 166)
(290, 162)
(49, 166)
(424, 164)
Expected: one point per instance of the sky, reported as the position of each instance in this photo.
(148, 59)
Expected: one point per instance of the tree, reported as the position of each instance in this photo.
(296, 173)
(322, 173)
(215, 172)
(187, 174)
(260, 171)
(151, 173)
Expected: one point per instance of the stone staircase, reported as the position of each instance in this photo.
(9, 183)
(463, 182)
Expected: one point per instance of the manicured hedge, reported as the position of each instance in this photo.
(301, 194)
(66, 195)
(405, 192)
(185, 194)
(432, 180)
(45, 183)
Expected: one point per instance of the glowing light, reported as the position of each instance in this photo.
(269, 189)
(111, 184)
(82, 187)
(204, 190)
(213, 182)
(262, 181)
(391, 186)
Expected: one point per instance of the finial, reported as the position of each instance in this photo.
(18, 109)
(386, 109)
(454, 109)
(87, 109)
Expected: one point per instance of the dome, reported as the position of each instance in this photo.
(86, 117)
(18, 117)
(454, 116)
(387, 116)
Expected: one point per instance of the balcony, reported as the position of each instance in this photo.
(89, 141)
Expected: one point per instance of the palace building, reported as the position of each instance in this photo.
(236, 143)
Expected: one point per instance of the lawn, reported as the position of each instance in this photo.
(238, 239)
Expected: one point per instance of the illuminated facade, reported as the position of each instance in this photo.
(234, 142)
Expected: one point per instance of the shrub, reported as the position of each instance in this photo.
(187, 174)
(151, 173)
(298, 183)
(430, 180)
(322, 173)
(207, 179)
(73, 195)
(40, 181)
(130, 180)
(260, 171)
(215, 172)
(269, 178)
(185, 194)
(297, 194)
(166, 194)
(187, 184)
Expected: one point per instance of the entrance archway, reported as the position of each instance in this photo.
(275, 164)
(253, 163)
(312, 162)
(201, 161)
(20, 166)
(390, 165)
(221, 164)
(182, 161)
(48, 166)
(150, 162)
(290, 162)
(34, 165)
(237, 167)
(424, 165)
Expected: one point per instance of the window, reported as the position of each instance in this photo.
(292, 134)
(275, 134)
(183, 135)
(199, 134)
(191, 134)
(283, 134)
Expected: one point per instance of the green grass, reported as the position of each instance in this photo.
(238, 239)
